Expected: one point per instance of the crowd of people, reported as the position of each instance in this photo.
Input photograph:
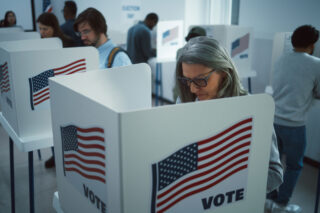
(205, 71)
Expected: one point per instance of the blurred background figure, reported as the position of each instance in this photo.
(69, 14)
(139, 40)
(9, 19)
(49, 27)
(194, 32)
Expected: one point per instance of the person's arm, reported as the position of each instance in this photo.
(316, 89)
(145, 40)
(275, 171)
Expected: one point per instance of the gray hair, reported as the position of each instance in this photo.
(208, 52)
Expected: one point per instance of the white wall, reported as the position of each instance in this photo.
(268, 17)
(22, 9)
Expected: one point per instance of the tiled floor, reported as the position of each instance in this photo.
(45, 184)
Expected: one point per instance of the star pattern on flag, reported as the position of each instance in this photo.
(42, 80)
(177, 165)
(70, 138)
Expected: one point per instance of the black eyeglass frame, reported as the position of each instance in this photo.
(196, 81)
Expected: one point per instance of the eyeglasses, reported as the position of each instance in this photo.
(199, 82)
(83, 33)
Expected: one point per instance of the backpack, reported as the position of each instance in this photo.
(113, 54)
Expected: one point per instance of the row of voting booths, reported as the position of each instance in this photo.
(237, 40)
(114, 152)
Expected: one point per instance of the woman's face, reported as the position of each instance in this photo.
(45, 30)
(11, 19)
(208, 92)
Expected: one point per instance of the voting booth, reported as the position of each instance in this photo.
(117, 154)
(25, 92)
(169, 40)
(10, 29)
(238, 42)
(12, 36)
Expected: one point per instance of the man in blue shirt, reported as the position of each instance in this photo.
(69, 13)
(92, 28)
(139, 39)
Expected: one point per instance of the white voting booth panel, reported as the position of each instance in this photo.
(117, 154)
(32, 44)
(169, 40)
(19, 36)
(238, 42)
(10, 29)
(25, 91)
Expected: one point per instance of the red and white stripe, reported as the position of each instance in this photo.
(5, 83)
(74, 67)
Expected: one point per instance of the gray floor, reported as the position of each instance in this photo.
(45, 184)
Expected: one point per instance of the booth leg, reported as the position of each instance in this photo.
(158, 83)
(12, 176)
(39, 154)
(317, 195)
(31, 182)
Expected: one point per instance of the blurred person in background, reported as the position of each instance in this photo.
(9, 19)
(69, 14)
(49, 27)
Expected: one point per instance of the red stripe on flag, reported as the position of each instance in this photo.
(87, 176)
(92, 154)
(42, 91)
(5, 64)
(223, 148)
(90, 138)
(85, 168)
(84, 160)
(60, 68)
(71, 68)
(226, 154)
(46, 94)
(224, 132)
(91, 146)
(227, 138)
(90, 130)
(39, 102)
(78, 70)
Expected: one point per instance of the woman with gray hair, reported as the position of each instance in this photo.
(205, 71)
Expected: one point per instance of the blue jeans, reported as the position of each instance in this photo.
(292, 143)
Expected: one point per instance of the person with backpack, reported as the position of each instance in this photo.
(92, 28)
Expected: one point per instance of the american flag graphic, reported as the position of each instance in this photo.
(170, 35)
(4, 83)
(46, 6)
(39, 84)
(200, 166)
(84, 152)
(240, 45)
